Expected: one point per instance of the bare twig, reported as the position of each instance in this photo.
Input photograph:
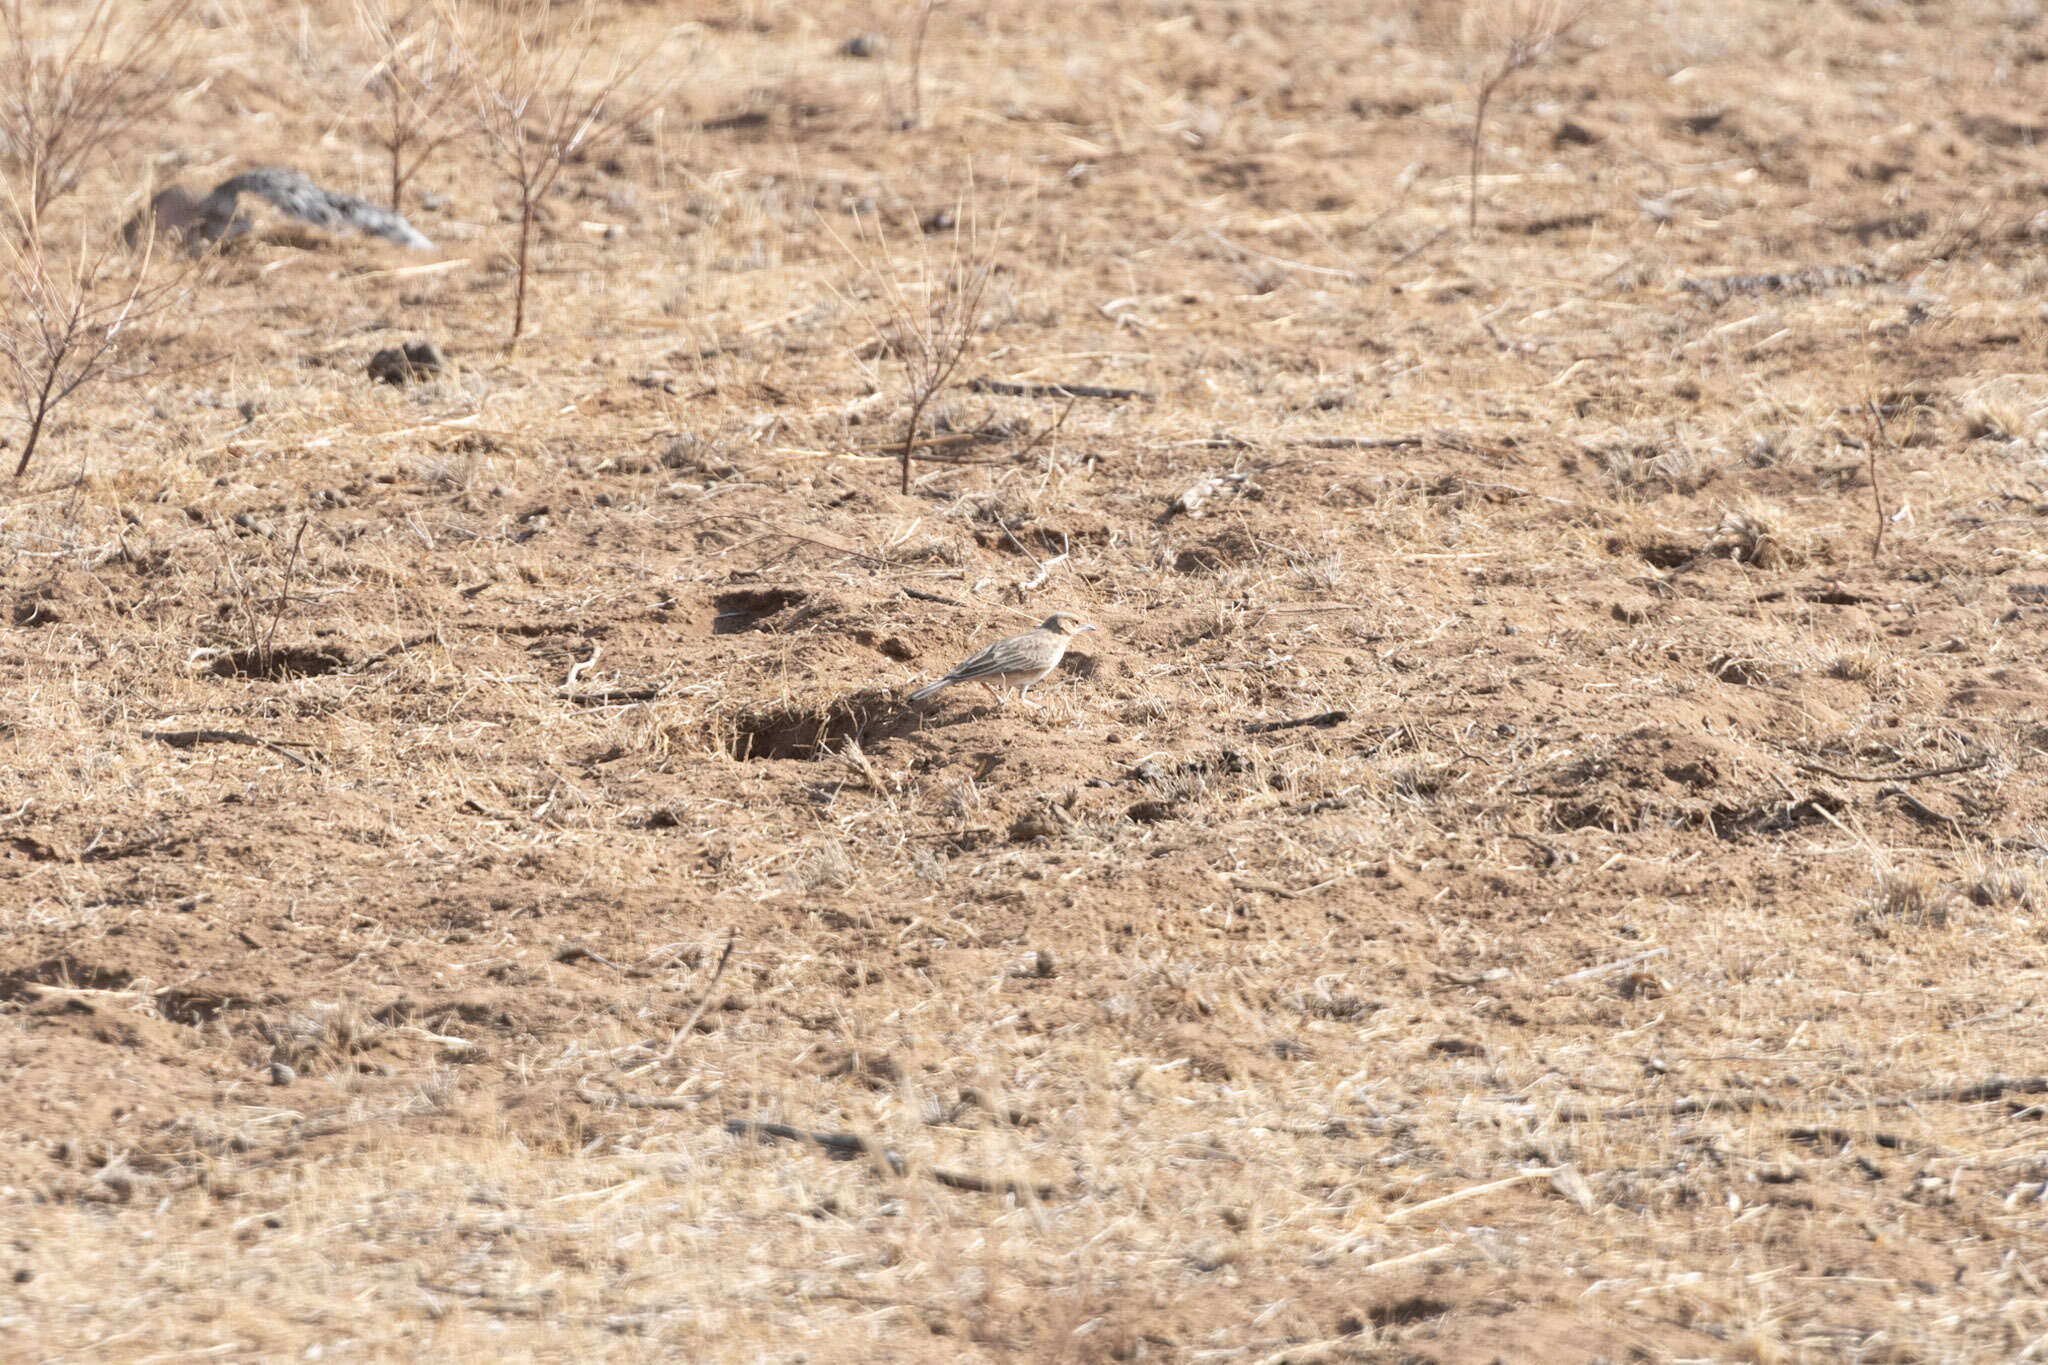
(1609, 968)
(186, 739)
(284, 593)
(852, 1146)
(732, 936)
(1950, 770)
(919, 27)
(1739, 1102)
(1052, 430)
(625, 1101)
(1414, 1211)
(1321, 721)
(1876, 489)
(1004, 386)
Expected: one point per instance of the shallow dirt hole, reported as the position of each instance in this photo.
(277, 665)
(739, 612)
(796, 731)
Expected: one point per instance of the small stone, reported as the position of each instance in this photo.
(280, 1074)
(401, 365)
(862, 46)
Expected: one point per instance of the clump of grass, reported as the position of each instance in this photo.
(1677, 467)
(2001, 884)
(1866, 664)
(1907, 896)
(1989, 420)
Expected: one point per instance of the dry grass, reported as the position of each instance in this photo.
(1515, 876)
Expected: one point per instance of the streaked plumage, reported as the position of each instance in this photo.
(1016, 662)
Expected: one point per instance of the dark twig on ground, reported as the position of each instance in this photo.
(1321, 721)
(1949, 771)
(1013, 390)
(853, 1146)
(1884, 437)
(186, 739)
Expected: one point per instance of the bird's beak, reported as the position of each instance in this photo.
(1078, 629)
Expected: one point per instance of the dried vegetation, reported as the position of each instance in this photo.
(1543, 858)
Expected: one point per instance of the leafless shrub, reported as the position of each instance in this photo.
(545, 95)
(1521, 34)
(929, 315)
(415, 83)
(63, 323)
(60, 102)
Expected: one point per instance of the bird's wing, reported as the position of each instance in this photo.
(978, 664)
(1018, 654)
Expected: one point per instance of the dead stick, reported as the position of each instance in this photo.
(1877, 491)
(1949, 771)
(1322, 721)
(732, 936)
(1472, 1192)
(185, 739)
(1015, 390)
(850, 1146)
(284, 595)
(590, 1096)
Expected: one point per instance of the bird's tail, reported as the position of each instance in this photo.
(929, 688)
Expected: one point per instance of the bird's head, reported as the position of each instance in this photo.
(1065, 623)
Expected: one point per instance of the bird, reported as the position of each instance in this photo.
(1016, 662)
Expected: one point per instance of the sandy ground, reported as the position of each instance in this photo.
(1519, 873)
